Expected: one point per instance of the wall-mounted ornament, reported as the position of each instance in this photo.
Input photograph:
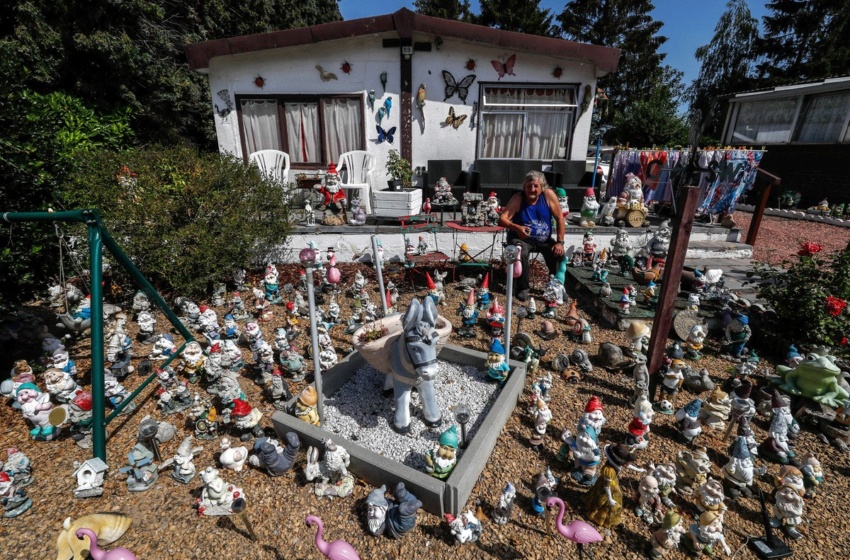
(470, 65)
(370, 97)
(326, 76)
(379, 116)
(259, 81)
(474, 118)
(506, 67)
(558, 72)
(224, 95)
(385, 134)
(420, 103)
(384, 81)
(388, 104)
(588, 99)
(460, 88)
(346, 67)
(455, 121)
(438, 42)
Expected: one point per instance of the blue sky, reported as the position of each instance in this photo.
(687, 24)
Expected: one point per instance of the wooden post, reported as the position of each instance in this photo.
(758, 214)
(683, 223)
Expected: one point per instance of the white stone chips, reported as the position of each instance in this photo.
(360, 412)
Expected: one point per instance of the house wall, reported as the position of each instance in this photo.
(292, 71)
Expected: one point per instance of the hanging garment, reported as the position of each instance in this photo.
(730, 183)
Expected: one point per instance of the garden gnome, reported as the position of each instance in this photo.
(788, 511)
(18, 466)
(60, 385)
(692, 467)
(465, 527)
(738, 472)
(649, 503)
(589, 208)
(790, 475)
(502, 512)
(184, 468)
(61, 360)
(586, 454)
(401, 518)
(497, 367)
(333, 198)
(673, 378)
(440, 460)
(469, 316)
(715, 410)
(687, 418)
(638, 437)
(710, 497)
(775, 448)
(14, 499)
(640, 374)
(245, 418)
(668, 537)
(376, 511)
(147, 325)
(333, 478)
(538, 432)
(274, 459)
(704, 537)
(309, 215)
(604, 502)
(665, 475)
(812, 475)
(483, 298)
(358, 216)
(736, 336)
(496, 318)
(36, 408)
(305, 406)
(694, 343)
(625, 302)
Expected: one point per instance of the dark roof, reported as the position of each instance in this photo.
(404, 22)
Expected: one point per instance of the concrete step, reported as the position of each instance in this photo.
(715, 232)
(734, 271)
(719, 250)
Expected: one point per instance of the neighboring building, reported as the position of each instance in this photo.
(805, 130)
(537, 117)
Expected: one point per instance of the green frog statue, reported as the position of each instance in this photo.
(816, 377)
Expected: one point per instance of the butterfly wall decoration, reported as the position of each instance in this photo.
(385, 135)
(460, 88)
(505, 68)
(224, 95)
(453, 120)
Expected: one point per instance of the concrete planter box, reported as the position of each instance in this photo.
(438, 496)
(394, 204)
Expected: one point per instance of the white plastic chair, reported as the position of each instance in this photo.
(274, 164)
(359, 165)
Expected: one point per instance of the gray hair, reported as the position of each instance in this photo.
(532, 175)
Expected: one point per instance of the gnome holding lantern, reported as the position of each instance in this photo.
(333, 202)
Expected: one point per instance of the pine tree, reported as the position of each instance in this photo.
(628, 26)
(804, 40)
(726, 62)
(446, 9)
(523, 16)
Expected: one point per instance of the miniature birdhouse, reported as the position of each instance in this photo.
(90, 478)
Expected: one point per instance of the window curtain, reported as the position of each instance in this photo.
(546, 134)
(343, 132)
(765, 121)
(501, 135)
(302, 132)
(261, 125)
(824, 118)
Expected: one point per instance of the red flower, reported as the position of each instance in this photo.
(809, 248)
(835, 306)
(843, 341)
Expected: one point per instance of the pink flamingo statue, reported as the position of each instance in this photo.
(333, 275)
(98, 554)
(518, 263)
(577, 531)
(337, 550)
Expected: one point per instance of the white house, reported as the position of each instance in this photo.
(90, 478)
(528, 103)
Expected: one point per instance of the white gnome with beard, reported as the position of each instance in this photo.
(589, 207)
(376, 511)
(668, 537)
(710, 497)
(790, 475)
(649, 505)
(704, 537)
(788, 511)
(665, 475)
(739, 471)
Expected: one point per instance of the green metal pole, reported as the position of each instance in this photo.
(72, 216)
(97, 389)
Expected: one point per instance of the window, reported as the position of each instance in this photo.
(825, 118)
(526, 122)
(313, 131)
(761, 122)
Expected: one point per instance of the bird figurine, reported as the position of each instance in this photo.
(337, 550)
(420, 102)
(389, 105)
(426, 206)
(326, 76)
(381, 114)
(577, 531)
(98, 554)
(333, 275)
(371, 98)
(518, 263)
(384, 81)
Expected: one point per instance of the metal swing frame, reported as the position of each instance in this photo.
(98, 237)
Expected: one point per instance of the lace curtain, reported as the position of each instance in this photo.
(342, 130)
(302, 131)
(261, 124)
(501, 135)
(824, 118)
(762, 122)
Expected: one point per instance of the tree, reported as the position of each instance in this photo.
(804, 40)
(726, 62)
(628, 26)
(655, 121)
(522, 16)
(446, 9)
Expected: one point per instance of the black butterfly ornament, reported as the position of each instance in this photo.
(460, 88)
(224, 95)
(385, 135)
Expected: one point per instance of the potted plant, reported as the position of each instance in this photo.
(399, 169)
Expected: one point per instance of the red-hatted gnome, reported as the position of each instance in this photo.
(333, 202)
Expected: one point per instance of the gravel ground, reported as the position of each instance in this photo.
(780, 238)
(360, 412)
(166, 525)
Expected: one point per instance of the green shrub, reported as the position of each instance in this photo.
(809, 296)
(185, 218)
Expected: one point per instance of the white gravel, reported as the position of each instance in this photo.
(360, 412)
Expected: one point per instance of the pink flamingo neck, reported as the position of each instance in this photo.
(93, 548)
(559, 521)
(320, 543)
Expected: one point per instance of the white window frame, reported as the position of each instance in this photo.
(571, 124)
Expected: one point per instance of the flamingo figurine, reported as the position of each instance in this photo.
(337, 550)
(98, 554)
(577, 531)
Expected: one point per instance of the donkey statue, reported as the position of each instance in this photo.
(414, 363)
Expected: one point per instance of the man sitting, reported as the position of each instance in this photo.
(528, 217)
